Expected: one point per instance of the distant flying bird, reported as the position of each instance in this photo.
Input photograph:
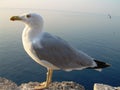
(109, 16)
(51, 51)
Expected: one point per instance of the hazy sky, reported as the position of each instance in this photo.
(99, 6)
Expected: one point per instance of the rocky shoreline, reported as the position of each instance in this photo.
(6, 84)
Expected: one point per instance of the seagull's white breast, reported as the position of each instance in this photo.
(27, 44)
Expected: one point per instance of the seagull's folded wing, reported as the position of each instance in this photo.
(59, 53)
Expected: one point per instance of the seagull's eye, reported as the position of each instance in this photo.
(28, 16)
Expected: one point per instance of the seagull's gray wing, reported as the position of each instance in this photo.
(59, 53)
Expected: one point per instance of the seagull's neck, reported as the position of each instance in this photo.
(30, 33)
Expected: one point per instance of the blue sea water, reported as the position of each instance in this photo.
(95, 34)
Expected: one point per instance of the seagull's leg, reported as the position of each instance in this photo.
(47, 82)
(49, 77)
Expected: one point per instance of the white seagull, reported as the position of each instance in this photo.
(51, 51)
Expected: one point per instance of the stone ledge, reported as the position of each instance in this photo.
(6, 84)
(98, 86)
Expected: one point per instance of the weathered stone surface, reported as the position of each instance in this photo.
(6, 84)
(54, 86)
(65, 86)
(104, 87)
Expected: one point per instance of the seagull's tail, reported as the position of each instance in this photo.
(100, 65)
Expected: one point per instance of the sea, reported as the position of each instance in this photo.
(96, 34)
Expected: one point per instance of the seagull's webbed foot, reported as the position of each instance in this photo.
(41, 86)
(47, 82)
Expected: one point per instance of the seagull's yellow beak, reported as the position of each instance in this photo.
(13, 18)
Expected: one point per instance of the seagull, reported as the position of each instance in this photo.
(52, 51)
(109, 16)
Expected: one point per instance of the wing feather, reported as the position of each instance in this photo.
(58, 52)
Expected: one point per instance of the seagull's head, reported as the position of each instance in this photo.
(30, 19)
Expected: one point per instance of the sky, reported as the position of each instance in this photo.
(96, 6)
